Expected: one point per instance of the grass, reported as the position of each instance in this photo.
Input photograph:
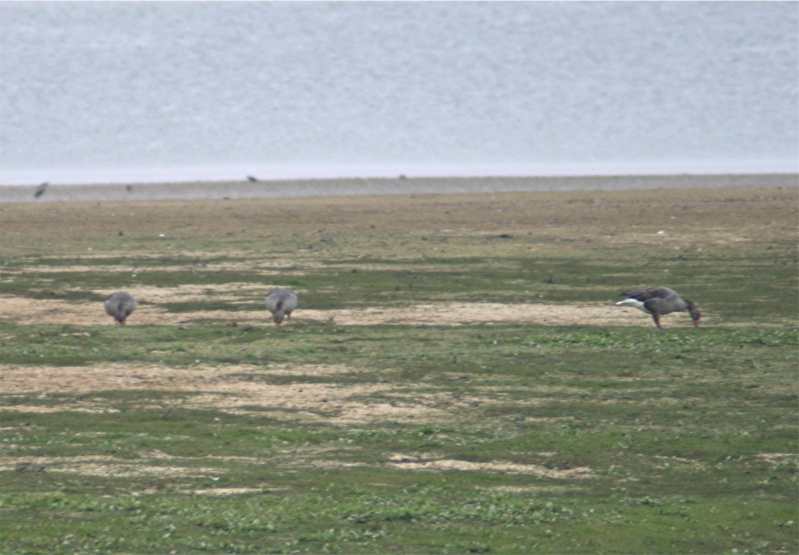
(201, 437)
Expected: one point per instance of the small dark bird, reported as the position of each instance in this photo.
(658, 301)
(251, 178)
(41, 189)
(281, 302)
(119, 306)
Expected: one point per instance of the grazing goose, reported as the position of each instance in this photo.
(658, 301)
(119, 305)
(280, 302)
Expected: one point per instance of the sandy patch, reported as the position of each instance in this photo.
(39, 409)
(779, 458)
(230, 389)
(410, 463)
(107, 466)
(455, 314)
(239, 389)
(273, 265)
(94, 465)
(226, 492)
(61, 312)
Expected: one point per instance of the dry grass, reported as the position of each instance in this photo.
(39, 311)
(686, 217)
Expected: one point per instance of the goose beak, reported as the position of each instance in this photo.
(696, 323)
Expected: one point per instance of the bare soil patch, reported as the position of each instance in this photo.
(106, 466)
(455, 314)
(62, 312)
(227, 389)
(414, 463)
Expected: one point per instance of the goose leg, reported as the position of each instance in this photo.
(656, 318)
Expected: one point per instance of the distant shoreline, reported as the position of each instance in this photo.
(244, 189)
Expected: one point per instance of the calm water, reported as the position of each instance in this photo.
(105, 91)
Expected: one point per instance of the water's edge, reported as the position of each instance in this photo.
(382, 186)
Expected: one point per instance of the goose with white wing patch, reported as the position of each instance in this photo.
(658, 301)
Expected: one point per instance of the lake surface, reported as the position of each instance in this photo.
(121, 92)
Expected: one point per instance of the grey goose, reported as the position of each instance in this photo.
(658, 301)
(119, 306)
(281, 302)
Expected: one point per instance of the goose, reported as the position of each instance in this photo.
(658, 301)
(119, 305)
(280, 302)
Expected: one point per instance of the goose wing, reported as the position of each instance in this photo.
(651, 293)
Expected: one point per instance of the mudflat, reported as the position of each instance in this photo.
(267, 188)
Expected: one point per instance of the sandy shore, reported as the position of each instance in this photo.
(380, 186)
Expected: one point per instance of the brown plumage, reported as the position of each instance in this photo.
(658, 301)
(119, 306)
(281, 302)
